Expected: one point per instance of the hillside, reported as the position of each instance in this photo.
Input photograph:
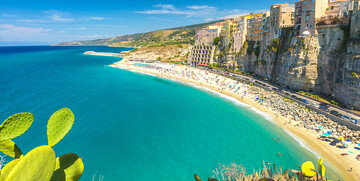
(178, 35)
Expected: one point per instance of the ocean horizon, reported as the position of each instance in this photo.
(131, 125)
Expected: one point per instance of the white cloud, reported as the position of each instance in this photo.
(8, 15)
(165, 6)
(59, 18)
(209, 13)
(99, 18)
(200, 7)
(191, 11)
(53, 16)
(9, 32)
(95, 36)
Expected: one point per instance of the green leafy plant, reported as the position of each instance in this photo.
(41, 162)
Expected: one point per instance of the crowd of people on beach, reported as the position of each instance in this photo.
(295, 114)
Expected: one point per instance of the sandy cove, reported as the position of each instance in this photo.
(331, 154)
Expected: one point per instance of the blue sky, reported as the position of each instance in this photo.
(46, 21)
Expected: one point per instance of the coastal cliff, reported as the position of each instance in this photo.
(175, 53)
(327, 64)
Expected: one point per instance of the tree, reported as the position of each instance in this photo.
(216, 40)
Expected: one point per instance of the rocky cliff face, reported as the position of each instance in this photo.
(328, 64)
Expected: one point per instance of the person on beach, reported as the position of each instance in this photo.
(279, 154)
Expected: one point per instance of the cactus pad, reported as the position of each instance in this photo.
(69, 167)
(197, 178)
(15, 125)
(308, 169)
(59, 125)
(8, 168)
(37, 165)
(9, 148)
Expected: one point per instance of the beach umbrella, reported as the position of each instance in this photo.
(320, 127)
(340, 137)
(329, 132)
(326, 134)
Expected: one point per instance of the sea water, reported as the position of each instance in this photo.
(133, 126)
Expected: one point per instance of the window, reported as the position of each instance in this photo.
(307, 18)
(305, 8)
(305, 2)
(312, 8)
(310, 26)
(284, 10)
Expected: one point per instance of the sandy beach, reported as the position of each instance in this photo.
(293, 123)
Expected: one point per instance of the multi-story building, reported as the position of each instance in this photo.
(281, 15)
(253, 27)
(229, 28)
(355, 20)
(338, 13)
(206, 36)
(265, 28)
(306, 12)
(202, 55)
(240, 34)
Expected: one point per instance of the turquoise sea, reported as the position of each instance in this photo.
(132, 126)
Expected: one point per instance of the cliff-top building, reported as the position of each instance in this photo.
(338, 13)
(241, 33)
(253, 27)
(281, 15)
(206, 36)
(229, 28)
(306, 12)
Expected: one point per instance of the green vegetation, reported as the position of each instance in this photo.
(236, 172)
(257, 49)
(334, 102)
(41, 162)
(251, 47)
(216, 40)
(344, 43)
(355, 75)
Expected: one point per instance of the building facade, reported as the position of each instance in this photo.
(265, 28)
(338, 13)
(241, 33)
(201, 55)
(226, 35)
(207, 35)
(281, 15)
(306, 12)
(253, 27)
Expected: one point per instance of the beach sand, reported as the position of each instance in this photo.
(330, 153)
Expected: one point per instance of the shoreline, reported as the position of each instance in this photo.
(308, 138)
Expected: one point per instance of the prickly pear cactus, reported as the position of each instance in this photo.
(9, 148)
(69, 167)
(8, 168)
(321, 167)
(59, 125)
(197, 178)
(15, 125)
(37, 165)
